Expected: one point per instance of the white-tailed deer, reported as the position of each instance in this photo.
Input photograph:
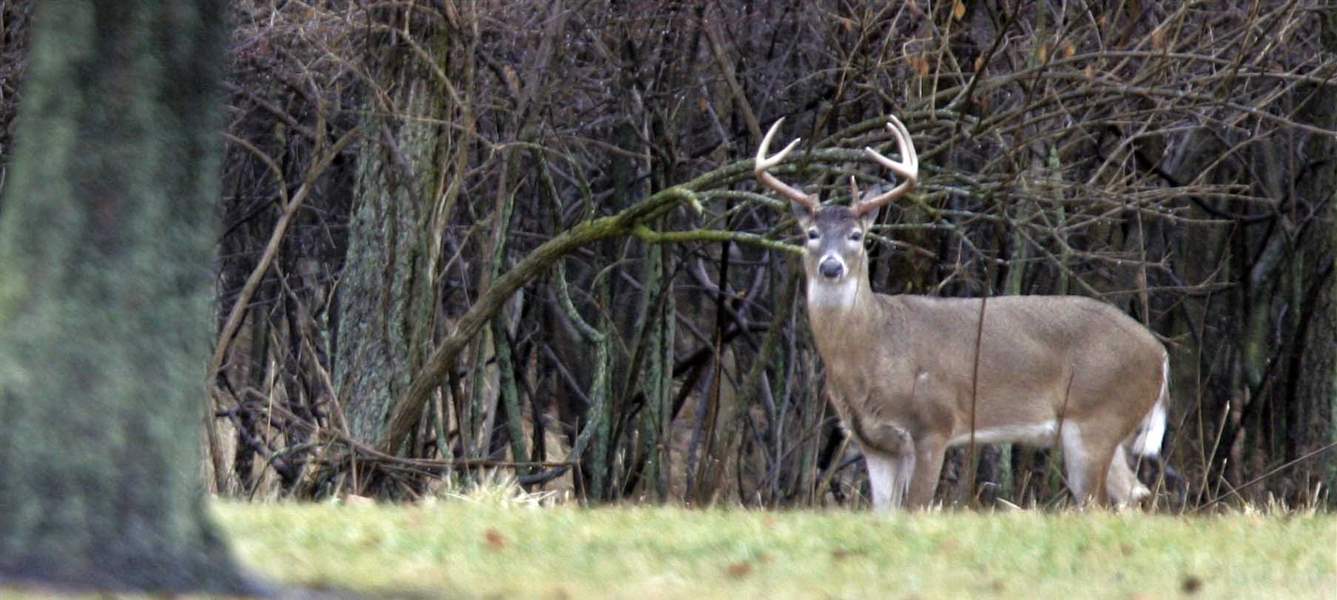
(906, 379)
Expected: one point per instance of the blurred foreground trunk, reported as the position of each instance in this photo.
(105, 250)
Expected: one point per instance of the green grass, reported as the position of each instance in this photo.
(491, 549)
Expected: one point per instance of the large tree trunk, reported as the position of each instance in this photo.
(105, 249)
(1315, 398)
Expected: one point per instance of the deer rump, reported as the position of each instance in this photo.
(1051, 371)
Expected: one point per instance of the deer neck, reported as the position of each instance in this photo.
(841, 312)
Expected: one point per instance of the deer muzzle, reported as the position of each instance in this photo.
(831, 267)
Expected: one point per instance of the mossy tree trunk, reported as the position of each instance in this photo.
(105, 247)
(386, 292)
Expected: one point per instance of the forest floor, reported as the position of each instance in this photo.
(468, 547)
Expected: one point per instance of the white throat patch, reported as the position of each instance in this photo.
(838, 294)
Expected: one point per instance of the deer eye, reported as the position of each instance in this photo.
(812, 234)
(856, 236)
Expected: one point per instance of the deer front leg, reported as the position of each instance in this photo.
(928, 456)
(889, 477)
(888, 452)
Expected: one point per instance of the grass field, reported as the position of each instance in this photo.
(485, 549)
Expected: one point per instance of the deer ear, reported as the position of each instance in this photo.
(802, 214)
(868, 218)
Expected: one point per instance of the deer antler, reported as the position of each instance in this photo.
(907, 169)
(763, 162)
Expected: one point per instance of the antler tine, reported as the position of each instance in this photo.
(763, 163)
(907, 169)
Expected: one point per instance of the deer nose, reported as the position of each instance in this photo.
(831, 268)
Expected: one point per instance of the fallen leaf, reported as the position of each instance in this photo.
(740, 569)
(959, 10)
(494, 538)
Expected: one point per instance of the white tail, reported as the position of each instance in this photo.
(1122, 484)
(1151, 435)
(912, 375)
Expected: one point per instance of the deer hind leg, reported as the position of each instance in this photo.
(889, 476)
(1121, 484)
(1086, 462)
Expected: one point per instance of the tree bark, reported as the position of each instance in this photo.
(105, 250)
(1314, 402)
(386, 299)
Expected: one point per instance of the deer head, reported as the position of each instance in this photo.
(834, 258)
